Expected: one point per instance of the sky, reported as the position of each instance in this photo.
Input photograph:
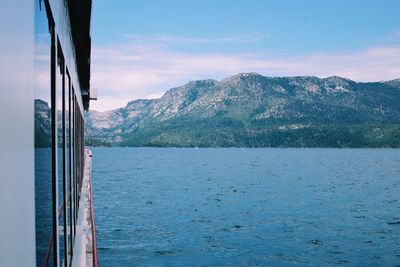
(142, 48)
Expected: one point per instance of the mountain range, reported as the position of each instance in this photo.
(251, 110)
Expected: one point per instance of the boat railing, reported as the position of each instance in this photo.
(46, 261)
(94, 241)
(93, 224)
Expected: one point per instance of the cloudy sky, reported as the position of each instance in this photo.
(141, 48)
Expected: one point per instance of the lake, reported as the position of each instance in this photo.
(247, 207)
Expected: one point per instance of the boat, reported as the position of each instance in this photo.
(46, 197)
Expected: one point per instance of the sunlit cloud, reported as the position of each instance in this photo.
(132, 69)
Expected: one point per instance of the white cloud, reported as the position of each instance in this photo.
(129, 70)
(171, 39)
(393, 37)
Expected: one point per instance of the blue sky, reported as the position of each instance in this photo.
(143, 48)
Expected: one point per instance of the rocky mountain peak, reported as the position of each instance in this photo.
(41, 104)
(249, 109)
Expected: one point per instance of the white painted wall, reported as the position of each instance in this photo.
(17, 214)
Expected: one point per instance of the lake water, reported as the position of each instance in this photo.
(247, 207)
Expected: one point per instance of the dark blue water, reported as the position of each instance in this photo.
(247, 207)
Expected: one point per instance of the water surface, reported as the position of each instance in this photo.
(247, 207)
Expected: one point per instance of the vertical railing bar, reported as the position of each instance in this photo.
(54, 145)
(69, 167)
(64, 172)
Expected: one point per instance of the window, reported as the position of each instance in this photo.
(43, 139)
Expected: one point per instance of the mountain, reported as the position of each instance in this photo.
(251, 110)
(42, 124)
